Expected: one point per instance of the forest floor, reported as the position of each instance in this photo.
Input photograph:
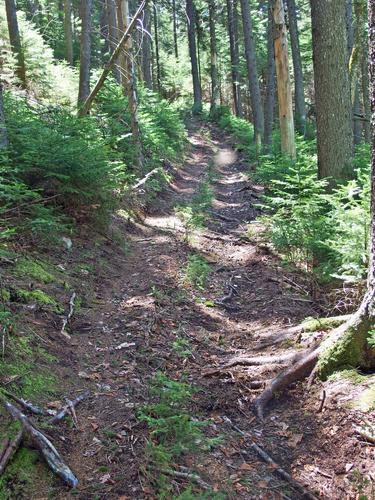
(155, 308)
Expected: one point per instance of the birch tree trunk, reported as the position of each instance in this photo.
(85, 56)
(284, 89)
(332, 90)
(255, 97)
(15, 41)
(299, 88)
(232, 8)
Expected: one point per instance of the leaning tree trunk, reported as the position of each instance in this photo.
(256, 101)
(347, 345)
(332, 90)
(215, 88)
(3, 130)
(284, 89)
(68, 30)
(190, 12)
(269, 103)
(15, 41)
(85, 57)
(232, 8)
(299, 88)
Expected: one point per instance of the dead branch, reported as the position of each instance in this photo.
(228, 296)
(69, 316)
(366, 434)
(25, 404)
(49, 452)
(145, 178)
(4, 447)
(84, 110)
(67, 408)
(225, 218)
(10, 450)
(188, 476)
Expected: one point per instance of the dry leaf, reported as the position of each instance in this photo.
(295, 440)
(245, 466)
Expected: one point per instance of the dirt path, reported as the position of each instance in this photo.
(148, 318)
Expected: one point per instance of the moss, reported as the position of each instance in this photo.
(316, 324)
(352, 375)
(366, 401)
(346, 352)
(40, 297)
(33, 269)
(4, 295)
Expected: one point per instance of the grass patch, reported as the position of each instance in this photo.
(197, 271)
(33, 269)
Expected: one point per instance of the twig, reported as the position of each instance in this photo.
(70, 314)
(45, 446)
(10, 451)
(322, 401)
(65, 410)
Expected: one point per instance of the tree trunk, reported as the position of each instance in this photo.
(269, 103)
(146, 50)
(68, 32)
(332, 90)
(157, 53)
(232, 7)
(113, 34)
(190, 12)
(366, 95)
(256, 101)
(128, 77)
(215, 88)
(103, 21)
(3, 130)
(284, 89)
(85, 56)
(175, 40)
(15, 41)
(299, 88)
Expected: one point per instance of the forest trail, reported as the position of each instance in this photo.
(148, 318)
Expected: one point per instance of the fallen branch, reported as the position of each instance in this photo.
(224, 217)
(145, 178)
(68, 317)
(366, 434)
(25, 404)
(10, 450)
(68, 407)
(49, 452)
(188, 476)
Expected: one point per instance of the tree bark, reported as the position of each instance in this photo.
(157, 54)
(190, 12)
(15, 41)
(85, 56)
(175, 40)
(103, 21)
(113, 34)
(269, 103)
(332, 90)
(256, 101)
(146, 50)
(3, 130)
(215, 88)
(68, 30)
(299, 88)
(366, 95)
(232, 8)
(284, 89)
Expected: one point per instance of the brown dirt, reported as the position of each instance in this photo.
(141, 299)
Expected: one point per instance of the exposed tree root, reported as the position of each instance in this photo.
(308, 325)
(345, 346)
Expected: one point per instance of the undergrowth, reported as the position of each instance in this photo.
(173, 432)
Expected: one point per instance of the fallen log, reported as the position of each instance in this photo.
(25, 404)
(68, 408)
(44, 445)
